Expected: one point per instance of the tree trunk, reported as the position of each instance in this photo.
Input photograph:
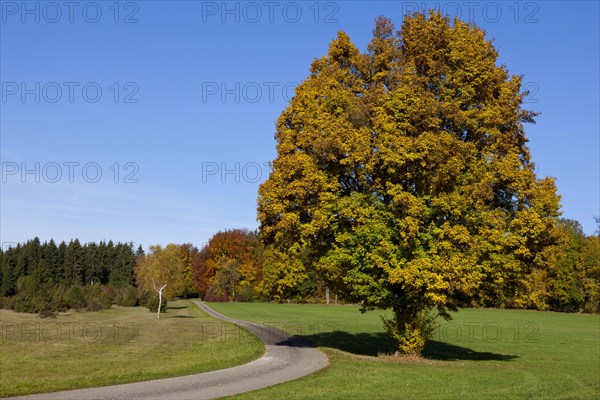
(411, 327)
(159, 304)
(160, 292)
(326, 295)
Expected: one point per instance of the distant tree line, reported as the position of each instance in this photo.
(236, 266)
(572, 283)
(46, 277)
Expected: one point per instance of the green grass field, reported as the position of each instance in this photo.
(84, 349)
(480, 354)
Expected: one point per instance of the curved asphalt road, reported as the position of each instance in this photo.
(285, 359)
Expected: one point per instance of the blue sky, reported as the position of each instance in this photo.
(153, 121)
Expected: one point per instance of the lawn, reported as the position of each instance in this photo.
(481, 353)
(123, 344)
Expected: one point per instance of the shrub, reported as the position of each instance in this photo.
(213, 293)
(592, 306)
(58, 302)
(46, 300)
(74, 297)
(95, 305)
(130, 299)
(105, 300)
(108, 295)
(245, 293)
(152, 304)
(21, 303)
(143, 296)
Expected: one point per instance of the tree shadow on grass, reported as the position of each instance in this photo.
(449, 352)
(176, 307)
(366, 344)
(373, 344)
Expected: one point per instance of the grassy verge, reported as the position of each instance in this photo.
(120, 345)
(481, 353)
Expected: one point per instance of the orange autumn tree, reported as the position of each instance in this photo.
(403, 177)
(230, 263)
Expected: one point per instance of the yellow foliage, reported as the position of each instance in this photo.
(403, 177)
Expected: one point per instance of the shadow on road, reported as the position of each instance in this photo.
(295, 342)
(372, 344)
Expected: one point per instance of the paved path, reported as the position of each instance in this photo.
(285, 359)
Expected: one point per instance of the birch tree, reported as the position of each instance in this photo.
(162, 271)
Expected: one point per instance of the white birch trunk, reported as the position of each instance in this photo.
(160, 292)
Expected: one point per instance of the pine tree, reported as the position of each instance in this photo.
(7, 268)
(73, 264)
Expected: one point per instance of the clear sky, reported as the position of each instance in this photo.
(153, 121)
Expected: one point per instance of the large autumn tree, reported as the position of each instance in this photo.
(403, 177)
